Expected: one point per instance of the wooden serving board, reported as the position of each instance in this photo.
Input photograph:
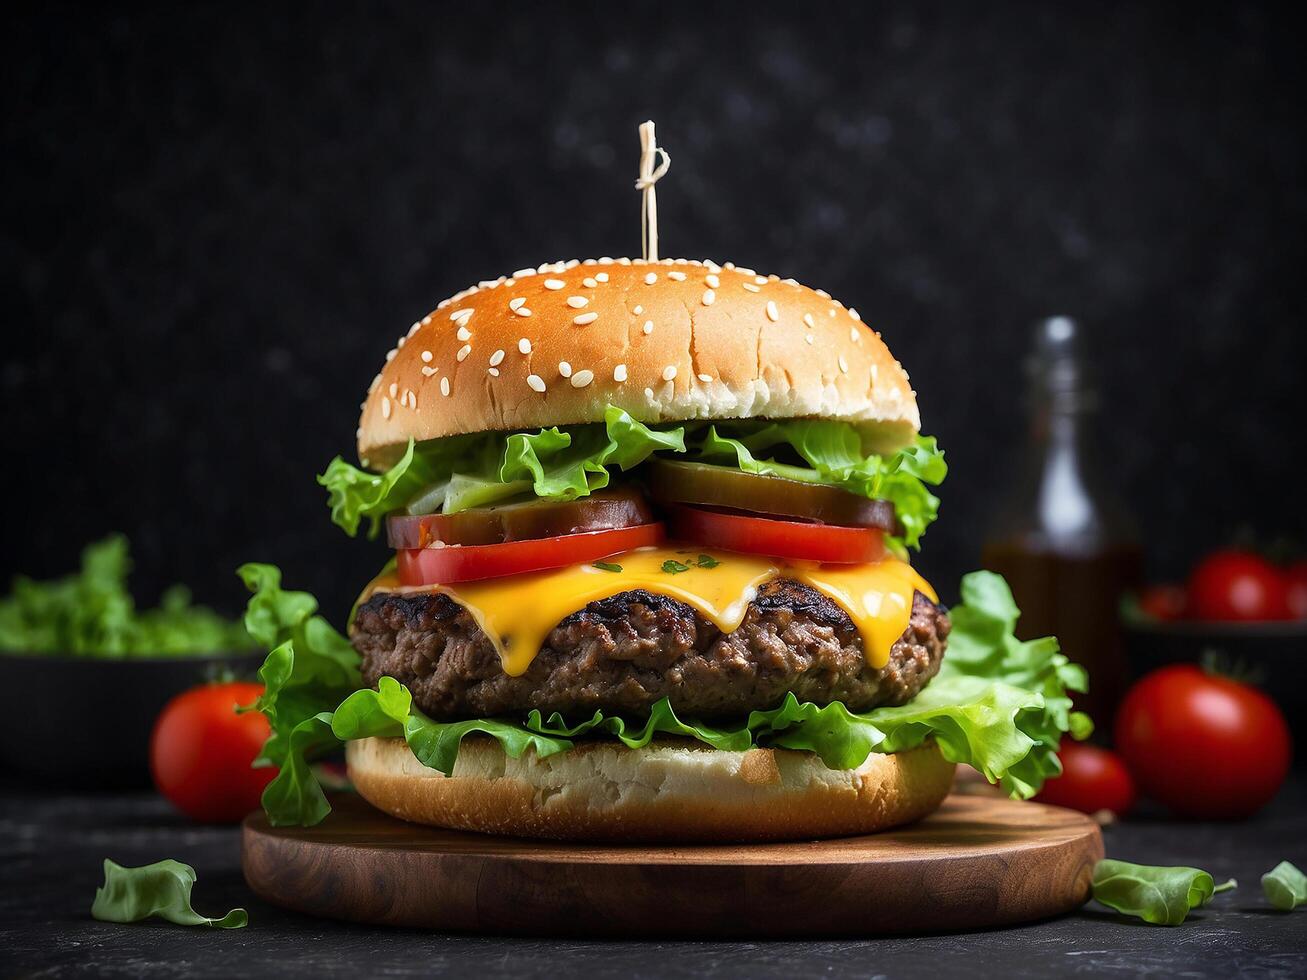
(977, 862)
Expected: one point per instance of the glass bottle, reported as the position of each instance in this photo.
(1061, 537)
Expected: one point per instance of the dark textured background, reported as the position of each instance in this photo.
(217, 219)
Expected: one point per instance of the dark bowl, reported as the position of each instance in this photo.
(1274, 655)
(76, 723)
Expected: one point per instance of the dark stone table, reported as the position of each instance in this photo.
(52, 846)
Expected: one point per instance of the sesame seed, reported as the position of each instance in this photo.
(463, 351)
(564, 369)
(603, 276)
(373, 386)
(874, 372)
(390, 356)
(808, 337)
(582, 378)
(522, 311)
(494, 372)
(854, 335)
(464, 315)
(831, 311)
(773, 314)
(577, 302)
(393, 389)
(464, 333)
(705, 378)
(760, 280)
(669, 372)
(444, 387)
(844, 365)
(426, 357)
(554, 284)
(637, 309)
(712, 281)
(385, 407)
(523, 273)
(585, 318)
(589, 282)
(650, 278)
(428, 371)
(807, 318)
(426, 319)
(708, 297)
(676, 274)
(496, 357)
(411, 398)
(743, 271)
(854, 313)
(535, 382)
(516, 302)
(822, 293)
(619, 373)
(790, 282)
(648, 327)
(417, 325)
(751, 287)
(400, 343)
(524, 346)
(648, 393)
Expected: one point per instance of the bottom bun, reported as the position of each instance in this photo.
(672, 790)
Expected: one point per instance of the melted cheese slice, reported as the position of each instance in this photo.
(520, 611)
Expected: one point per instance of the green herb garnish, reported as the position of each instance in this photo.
(1285, 887)
(607, 566)
(161, 890)
(673, 567)
(1162, 896)
(707, 561)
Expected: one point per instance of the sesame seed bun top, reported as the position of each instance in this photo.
(666, 341)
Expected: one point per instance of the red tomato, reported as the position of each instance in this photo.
(1295, 581)
(1203, 745)
(201, 750)
(1237, 585)
(779, 539)
(467, 562)
(1165, 603)
(1092, 779)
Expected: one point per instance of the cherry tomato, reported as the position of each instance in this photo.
(201, 750)
(1203, 745)
(1165, 603)
(1295, 580)
(465, 563)
(778, 539)
(1237, 585)
(1092, 779)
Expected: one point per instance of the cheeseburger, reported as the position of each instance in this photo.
(651, 524)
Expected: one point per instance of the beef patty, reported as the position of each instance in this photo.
(624, 653)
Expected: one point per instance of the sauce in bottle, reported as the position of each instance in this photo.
(1061, 538)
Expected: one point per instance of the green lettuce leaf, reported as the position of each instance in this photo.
(1159, 895)
(457, 473)
(998, 704)
(310, 667)
(92, 614)
(161, 890)
(832, 453)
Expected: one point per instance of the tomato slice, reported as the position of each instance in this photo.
(466, 563)
(779, 539)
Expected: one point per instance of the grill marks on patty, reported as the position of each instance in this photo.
(624, 653)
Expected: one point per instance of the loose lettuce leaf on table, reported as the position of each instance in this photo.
(161, 890)
(1160, 896)
(1285, 887)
